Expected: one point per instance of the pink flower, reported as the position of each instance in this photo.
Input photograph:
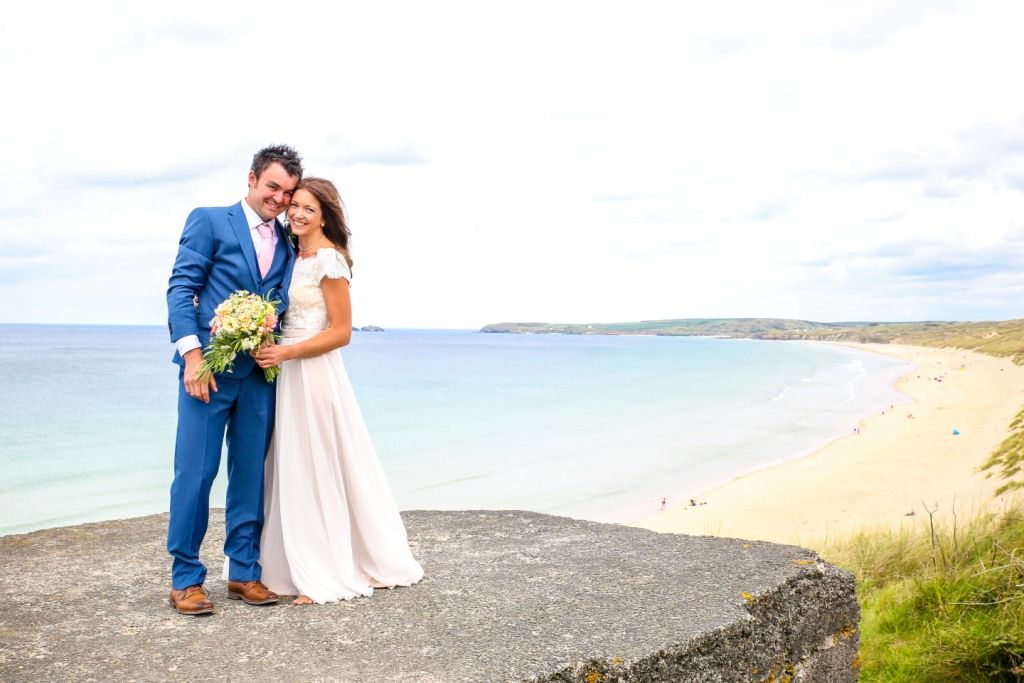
(215, 326)
(269, 322)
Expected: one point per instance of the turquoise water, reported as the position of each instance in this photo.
(592, 427)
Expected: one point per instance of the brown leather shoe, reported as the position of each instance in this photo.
(192, 601)
(251, 592)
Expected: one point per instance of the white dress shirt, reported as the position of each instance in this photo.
(186, 344)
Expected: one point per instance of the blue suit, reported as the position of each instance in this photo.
(216, 257)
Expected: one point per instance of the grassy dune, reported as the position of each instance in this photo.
(1008, 458)
(1002, 338)
(944, 603)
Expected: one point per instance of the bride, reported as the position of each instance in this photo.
(332, 528)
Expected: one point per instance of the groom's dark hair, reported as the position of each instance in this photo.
(282, 154)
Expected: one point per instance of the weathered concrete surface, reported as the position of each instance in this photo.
(508, 596)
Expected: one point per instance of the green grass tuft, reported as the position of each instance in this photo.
(942, 602)
(1008, 458)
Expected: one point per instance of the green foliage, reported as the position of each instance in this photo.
(1009, 456)
(942, 603)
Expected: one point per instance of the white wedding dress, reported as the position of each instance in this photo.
(332, 529)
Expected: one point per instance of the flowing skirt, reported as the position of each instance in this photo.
(332, 529)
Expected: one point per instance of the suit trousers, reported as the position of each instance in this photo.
(243, 411)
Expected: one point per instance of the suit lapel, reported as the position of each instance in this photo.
(289, 258)
(241, 227)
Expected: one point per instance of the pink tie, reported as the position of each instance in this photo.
(265, 250)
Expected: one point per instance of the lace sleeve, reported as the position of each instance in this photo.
(331, 264)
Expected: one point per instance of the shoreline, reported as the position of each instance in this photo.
(901, 461)
(633, 513)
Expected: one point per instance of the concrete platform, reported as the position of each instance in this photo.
(508, 596)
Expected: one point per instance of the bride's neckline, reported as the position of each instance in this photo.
(313, 254)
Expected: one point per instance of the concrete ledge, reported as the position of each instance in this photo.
(508, 596)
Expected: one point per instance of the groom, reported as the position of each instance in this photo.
(222, 250)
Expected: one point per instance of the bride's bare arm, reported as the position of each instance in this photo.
(339, 313)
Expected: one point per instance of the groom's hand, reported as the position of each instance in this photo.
(195, 387)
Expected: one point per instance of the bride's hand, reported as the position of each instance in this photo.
(270, 355)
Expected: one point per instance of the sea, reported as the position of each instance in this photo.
(592, 427)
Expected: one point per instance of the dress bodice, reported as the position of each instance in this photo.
(306, 307)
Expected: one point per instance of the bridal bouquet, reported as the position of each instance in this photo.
(242, 323)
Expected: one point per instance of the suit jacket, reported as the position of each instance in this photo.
(216, 257)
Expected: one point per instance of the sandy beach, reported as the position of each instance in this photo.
(899, 462)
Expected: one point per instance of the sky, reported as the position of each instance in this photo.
(531, 161)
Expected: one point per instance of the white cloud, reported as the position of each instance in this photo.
(560, 161)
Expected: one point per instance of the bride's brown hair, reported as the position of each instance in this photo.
(335, 226)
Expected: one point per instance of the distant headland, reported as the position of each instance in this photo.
(1000, 338)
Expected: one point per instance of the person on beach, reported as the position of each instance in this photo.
(237, 247)
(332, 529)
